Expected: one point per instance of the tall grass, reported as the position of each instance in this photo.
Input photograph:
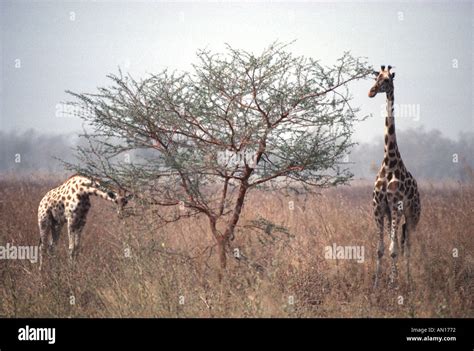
(133, 268)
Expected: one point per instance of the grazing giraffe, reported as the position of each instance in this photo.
(69, 203)
(395, 192)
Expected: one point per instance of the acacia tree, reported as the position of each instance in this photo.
(201, 140)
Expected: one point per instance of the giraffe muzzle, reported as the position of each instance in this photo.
(372, 93)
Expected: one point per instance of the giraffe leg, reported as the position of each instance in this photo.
(403, 239)
(396, 217)
(380, 248)
(407, 229)
(44, 228)
(75, 227)
(71, 246)
(71, 228)
(53, 240)
(77, 239)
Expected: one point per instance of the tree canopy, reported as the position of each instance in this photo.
(202, 139)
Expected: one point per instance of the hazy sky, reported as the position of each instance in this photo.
(73, 45)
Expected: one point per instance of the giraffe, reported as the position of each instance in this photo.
(69, 203)
(396, 191)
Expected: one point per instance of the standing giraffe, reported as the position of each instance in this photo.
(69, 203)
(395, 191)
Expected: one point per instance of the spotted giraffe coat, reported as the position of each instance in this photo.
(395, 191)
(69, 204)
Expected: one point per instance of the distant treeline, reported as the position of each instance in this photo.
(31, 151)
(427, 154)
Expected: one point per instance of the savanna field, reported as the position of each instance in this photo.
(131, 267)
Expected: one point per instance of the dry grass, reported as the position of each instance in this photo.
(171, 271)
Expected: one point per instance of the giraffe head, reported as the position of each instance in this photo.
(383, 81)
(122, 200)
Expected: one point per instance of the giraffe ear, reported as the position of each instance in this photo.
(375, 73)
(393, 76)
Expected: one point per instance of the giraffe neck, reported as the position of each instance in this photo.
(391, 146)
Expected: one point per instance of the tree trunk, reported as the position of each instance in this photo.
(223, 240)
(229, 232)
(221, 243)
